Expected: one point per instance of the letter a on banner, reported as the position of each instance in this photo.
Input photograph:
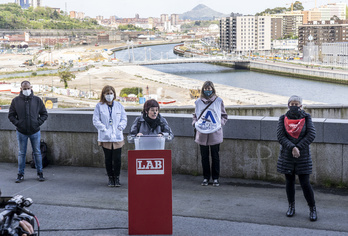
(209, 114)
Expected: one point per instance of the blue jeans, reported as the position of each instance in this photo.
(22, 144)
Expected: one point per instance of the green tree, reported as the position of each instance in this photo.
(65, 76)
(298, 6)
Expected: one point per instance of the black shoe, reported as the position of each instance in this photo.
(117, 181)
(40, 177)
(111, 182)
(313, 213)
(291, 210)
(20, 178)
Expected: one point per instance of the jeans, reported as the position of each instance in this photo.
(215, 159)
(112, 161)
(306, 188)
(22, 144)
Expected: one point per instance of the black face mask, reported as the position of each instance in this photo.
(294, 109)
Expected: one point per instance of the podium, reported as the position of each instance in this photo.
(150, 192)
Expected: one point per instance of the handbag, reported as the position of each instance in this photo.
(194, 128)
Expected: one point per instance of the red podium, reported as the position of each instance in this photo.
(150, 192)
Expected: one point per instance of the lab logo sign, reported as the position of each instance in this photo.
(148, 166)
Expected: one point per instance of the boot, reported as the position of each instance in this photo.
(117, 181)
(291, 210)
(313, 213)
(111, 182)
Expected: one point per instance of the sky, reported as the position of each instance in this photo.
(154, 8)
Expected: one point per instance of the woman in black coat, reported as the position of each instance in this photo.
(295, 133)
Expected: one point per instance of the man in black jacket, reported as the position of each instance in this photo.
(27, 112)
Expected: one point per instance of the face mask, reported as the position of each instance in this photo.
(294, 109)
(109, 97)
(26, 92)
(208, 92)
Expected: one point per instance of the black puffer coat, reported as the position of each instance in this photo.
(287, 164)
(27, 113)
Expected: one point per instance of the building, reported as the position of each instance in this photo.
(73, 14)
(333, 9)
(99, 18)
(335, 53)
(311, 15)
(81, 15)
(174, 19)
(243, 34)
(323, 32)
(113, 18)
(291, 22)
(276, 28)
(103, 38)
(23, 3)
(164, 18)
(36, 3)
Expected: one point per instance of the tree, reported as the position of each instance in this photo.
(298, 6)
(65, 75)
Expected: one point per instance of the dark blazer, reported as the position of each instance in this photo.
(287, 164)
(27, 113)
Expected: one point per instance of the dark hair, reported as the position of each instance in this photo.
(106, 89)
(24, 82)
(148, 104)
(206, 85)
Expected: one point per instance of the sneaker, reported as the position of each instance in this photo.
(216, 183)
(20, 178)
(117, 182)
(111, 182)
(40, 177)
(205, 182)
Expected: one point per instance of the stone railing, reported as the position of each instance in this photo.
(250, 148)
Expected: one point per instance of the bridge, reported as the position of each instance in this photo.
(234, 62)
(150, 55)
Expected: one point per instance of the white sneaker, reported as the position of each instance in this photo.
(205, 182)
(216, 183)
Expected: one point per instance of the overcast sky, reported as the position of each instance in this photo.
(154, 8)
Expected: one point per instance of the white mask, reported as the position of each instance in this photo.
(109, 97)
(26, 92)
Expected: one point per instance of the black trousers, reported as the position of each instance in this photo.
(112, 161)
(305, 185)
(215, 159)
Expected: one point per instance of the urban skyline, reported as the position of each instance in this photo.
(154, 8)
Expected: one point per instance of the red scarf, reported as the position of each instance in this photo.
(294, 127)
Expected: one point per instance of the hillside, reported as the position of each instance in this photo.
(201, 12)
(12, 16)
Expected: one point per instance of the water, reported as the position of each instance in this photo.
(281, 85)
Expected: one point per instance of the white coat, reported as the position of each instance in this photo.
(101, 117)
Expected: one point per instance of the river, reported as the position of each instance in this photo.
(281, 85)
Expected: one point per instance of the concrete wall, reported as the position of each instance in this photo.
(250, 148)
(305, 73)
(317, 111)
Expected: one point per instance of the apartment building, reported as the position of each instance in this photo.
(242, 34)
(276, 28)
(291, 22)
(321, 32)
(164, 18)
(174, 19)
(333, 9)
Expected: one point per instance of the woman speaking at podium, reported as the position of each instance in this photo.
(151, 122)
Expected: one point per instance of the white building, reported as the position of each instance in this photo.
(253, 33)
(333, 9)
